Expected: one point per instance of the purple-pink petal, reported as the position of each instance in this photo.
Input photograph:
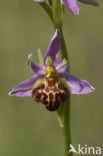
(54, 48)
(71, 5)
(36, 68)
(62, 67)
(93, 2)
(22, 93)
(24, 88)
(76, 85)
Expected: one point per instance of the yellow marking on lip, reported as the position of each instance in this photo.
(50, 69)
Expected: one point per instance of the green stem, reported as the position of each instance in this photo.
(58, 14)
(64, 110)
(66, 128)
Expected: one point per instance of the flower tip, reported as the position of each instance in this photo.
(57, 33)
(93, 89)
(10, 93)
(29, 58)
(76, 11)
(65, 62)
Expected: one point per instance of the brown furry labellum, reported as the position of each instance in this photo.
(51, 92)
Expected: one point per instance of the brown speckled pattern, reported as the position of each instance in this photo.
(52, 93)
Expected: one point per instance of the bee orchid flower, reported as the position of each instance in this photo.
(51, 84)
(72, 4)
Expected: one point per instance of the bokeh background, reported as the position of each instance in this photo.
(27, 128)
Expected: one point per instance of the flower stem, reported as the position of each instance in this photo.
(66, 128)
(64, 110)
(66, 106)
(58, 14)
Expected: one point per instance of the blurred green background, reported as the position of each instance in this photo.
(27, 128)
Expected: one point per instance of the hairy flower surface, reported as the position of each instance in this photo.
(72, 4)
(51, 84)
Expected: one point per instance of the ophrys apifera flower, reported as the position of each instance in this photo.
(52, 84)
